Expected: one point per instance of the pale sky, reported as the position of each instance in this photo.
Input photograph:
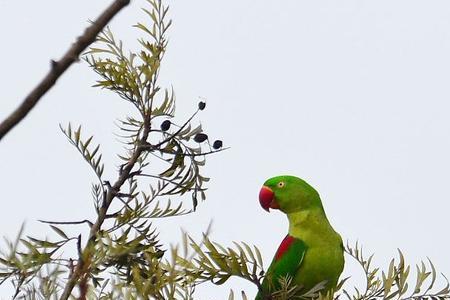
(351, 95)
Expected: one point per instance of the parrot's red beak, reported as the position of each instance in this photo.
(267, 199)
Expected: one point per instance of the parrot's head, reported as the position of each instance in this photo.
(288, 194)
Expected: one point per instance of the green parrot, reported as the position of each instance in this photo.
(312, 252)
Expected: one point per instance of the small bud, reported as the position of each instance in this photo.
(165, 125)
(53, 63)
(200, 137)
(201, 105)
(217, 144)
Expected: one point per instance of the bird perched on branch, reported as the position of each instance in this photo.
(312, 252)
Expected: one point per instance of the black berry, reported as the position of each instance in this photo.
(217, 144)
(165, 125)
(201, 105)
(200, 137)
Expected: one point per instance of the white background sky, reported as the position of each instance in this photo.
(351, 95)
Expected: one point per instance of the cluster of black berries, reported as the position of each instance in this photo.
(199, 137)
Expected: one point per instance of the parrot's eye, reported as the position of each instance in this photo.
(281, 184)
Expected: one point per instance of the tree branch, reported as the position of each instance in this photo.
(111, 193)
(59, 67)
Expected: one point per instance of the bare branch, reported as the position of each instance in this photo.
(59, 67)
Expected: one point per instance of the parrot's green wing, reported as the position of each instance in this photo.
(286, 262)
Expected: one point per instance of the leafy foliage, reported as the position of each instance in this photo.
(120, 256)
(217, 264)
(89, 155)
(394, 283)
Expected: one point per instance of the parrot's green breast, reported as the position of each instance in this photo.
(324, 257)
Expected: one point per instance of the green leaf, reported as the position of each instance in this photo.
(77, 135)
(222, 279)
(59, 232)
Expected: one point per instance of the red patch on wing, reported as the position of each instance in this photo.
(284, 246)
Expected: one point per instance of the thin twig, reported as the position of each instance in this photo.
(67, 222)
(150, 147)
(59, 67)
